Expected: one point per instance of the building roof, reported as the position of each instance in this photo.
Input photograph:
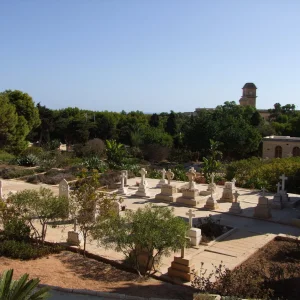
(281, 138)
(249, 85)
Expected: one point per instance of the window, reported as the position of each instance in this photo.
(296, 151)
(278, 152)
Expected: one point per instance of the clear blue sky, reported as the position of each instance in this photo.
(150, 55)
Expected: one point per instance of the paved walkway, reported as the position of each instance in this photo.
(250, 234)
(57, 295)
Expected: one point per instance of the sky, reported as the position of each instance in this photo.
(150, 55)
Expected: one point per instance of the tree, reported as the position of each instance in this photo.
(86, 201)
(21, 289)
(154, 230)
(171, 125)
(115, 152)
(24, 107)
(42, 204)
(154, 120)
(8, 121)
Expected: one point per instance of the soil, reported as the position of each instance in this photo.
(71, 270)
(280, 254)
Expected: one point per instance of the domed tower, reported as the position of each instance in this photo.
(249, 94)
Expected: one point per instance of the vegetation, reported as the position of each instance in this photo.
(151, 231)
(29, 205)
(21, 289)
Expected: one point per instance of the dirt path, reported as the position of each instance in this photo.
(70, 270)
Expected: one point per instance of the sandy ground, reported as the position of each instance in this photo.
(70, 270)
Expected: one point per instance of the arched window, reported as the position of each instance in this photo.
(278, 152)
(296, 151)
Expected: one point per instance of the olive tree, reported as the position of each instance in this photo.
(154, 231)
(86, 201)
(40, 205)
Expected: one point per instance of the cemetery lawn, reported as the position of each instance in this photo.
(71, 270)
(279, 254)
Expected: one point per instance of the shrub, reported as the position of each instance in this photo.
(95, 163)
(156, 174)
(9, 173)
(5, 156)
(29, 160)
(25, 250)
(16, 229)
(37, 151)
(155, 152)
(109, 178)
(95, 147)
(179, 173)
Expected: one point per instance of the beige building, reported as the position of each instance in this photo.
(249, 94)
(280, 146)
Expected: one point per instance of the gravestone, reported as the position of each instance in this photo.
(283, 193)
(233, 183)
(182, 267)
(116, 207)
(163, 179)
(143, 189)
(190, 195)
(64, 189)
(168, 192)
(212, 187)
(193, 233)
(125, 172)
(211, 203)
(74, 238)
(235, 206)
(263, 208)
(227, 195)
(122, 189)
(277, 199)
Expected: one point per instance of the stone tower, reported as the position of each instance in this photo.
(249, 94)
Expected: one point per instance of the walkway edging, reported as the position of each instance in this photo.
(113, 296)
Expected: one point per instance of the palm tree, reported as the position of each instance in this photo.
(21, 289)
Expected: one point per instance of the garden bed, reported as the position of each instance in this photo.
(279, 262)
(71, 270)
(212, 230)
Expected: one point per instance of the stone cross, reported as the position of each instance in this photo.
(1, 192)
(123, 176)
(263, 191)
(191, 174)
(236, 194)
(212, 178)
(183, 248)
(170, 175)
(143, 173)
(190, 215)
(283, 178)
(163, 172)
(75, 225)
(125, 172)
(64, 189)
(233, 181)
(278, 187)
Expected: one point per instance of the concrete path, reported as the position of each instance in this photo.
(58, 295)
(251, 233)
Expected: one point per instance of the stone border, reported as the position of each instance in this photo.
(98, 294)
(220, 238)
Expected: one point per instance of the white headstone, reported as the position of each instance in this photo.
(116, 207)
(190, 215)
(125, 172)
(122, 189)
(170, 175)
(143, 173)
(191, 174)
(278, 187)
(283, 178)
(64, 189)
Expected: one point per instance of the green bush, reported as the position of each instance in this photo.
(156, 174)
(5, 156)
(255, 173)
(179, 174)
(95, 163)
(37, 151)
(25, 250)
(9, 173)
(16, 229)
(29, 160)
